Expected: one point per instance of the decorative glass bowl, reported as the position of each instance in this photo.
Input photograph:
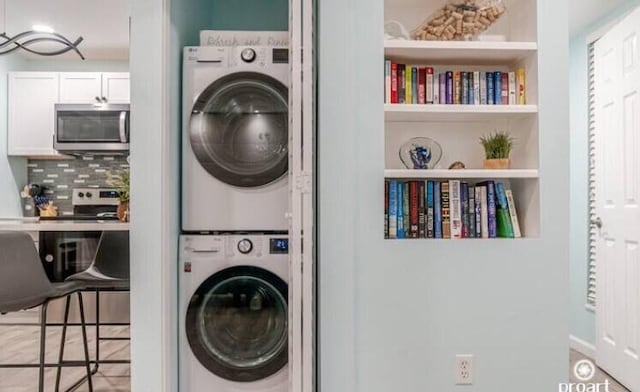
(421, 153)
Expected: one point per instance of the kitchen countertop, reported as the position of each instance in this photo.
(31, 225)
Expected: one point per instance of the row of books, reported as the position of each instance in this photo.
(425, 85)
(450, 210)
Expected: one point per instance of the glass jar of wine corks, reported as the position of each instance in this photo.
(460, 20)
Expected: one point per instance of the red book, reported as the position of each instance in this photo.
(394, 83)
(414, 213)
(422, 86)
(505, 88)
(430, 73)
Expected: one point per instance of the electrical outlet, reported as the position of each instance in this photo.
(464, 369)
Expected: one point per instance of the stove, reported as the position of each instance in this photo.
(92, 204)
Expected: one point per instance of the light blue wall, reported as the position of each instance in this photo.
(250, 15)
(393, 314)
(582, 319)
(13, 171)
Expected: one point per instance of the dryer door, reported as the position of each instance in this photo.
(239, 129)
(237, 324)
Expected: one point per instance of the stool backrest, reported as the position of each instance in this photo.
(112, 257)
(23, 280)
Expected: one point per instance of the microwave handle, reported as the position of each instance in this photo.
(123, 127)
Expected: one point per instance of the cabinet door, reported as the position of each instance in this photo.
(115, 87)
(80, 87)
(32, 96)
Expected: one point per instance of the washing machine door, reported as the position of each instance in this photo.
(237, 324)
(239, 129)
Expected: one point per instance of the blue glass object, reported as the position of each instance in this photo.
(421, 153)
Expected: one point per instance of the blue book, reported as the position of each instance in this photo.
(497, 88)
(491, 93)
(414, 85)
(400, 214)
(491, 208)
(464, 78)
(449, 89)
(393, 209)
(430, 210)
(472, 95)
(478, 212)
(464, 203)
(437, 211)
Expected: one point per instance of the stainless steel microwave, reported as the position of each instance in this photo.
(92, 128)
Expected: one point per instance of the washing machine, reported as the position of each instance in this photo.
(234, 313)
(235, 139)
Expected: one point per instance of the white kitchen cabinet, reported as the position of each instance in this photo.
(80, 87)
(31, 123)
(92, 87)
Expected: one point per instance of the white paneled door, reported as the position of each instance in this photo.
(617, 117)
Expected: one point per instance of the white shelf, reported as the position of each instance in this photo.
(463, 174)
(410, 112)
(459, 52)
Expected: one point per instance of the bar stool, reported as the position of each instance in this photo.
(24, 285)
(109, 271)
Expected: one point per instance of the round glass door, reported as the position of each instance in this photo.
(239, 129)
(237, 324)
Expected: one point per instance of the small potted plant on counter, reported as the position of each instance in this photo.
(121, 182)
(497, 149)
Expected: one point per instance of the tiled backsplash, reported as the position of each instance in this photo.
(60, 177)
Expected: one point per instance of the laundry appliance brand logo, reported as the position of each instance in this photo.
(584, 372)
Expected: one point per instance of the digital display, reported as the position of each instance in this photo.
(279, 246)
(280, 56)
(109, 194)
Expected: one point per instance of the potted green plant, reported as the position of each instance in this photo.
(121, 182)
(497, 149)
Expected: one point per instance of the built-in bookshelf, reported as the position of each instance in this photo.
(508, 46)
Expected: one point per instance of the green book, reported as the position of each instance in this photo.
(503, 217)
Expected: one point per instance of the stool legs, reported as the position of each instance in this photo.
(63, 339)
(43, 336)
(85, 343)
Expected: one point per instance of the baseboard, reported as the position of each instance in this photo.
(583, 347)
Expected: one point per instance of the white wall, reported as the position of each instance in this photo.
(393, 314)
(582, 319)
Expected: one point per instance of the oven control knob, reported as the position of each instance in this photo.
(48, 258)
(89, 195)
(245, 246)
(80, 195)
(248, 55)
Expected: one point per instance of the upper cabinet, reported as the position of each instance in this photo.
(32, 96)
(91, 87)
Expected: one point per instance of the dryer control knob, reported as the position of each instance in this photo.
(245, 246)
(248, 55)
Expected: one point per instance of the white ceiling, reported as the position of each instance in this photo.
(583, 13)
(104, 24)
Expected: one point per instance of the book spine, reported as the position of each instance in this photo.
(491, 94)
(414, 210)
(484, 212)
(470, 91)
(386, 209)
(450, 89)
(446, 211)
(483, 88)
(478, 211)
(513, 96)
(514, 214)
(491, 209)
(429, 72)
(437, 210)
(436, 87)
(455, 206)
(503, 219)
(430, 211)
(387, 81)
(414, 85)
(497, 88)
(443, 88)
(394, 83)
(408, 88)
(406, 210)
(401, 83)
(464, 93)
(504, 95)
(476, 88)
(393, 209)
(471, 210)
(464, 200)
(400, 209)
(421, 210)
(457, 87)
(422, 86)
(521, 82)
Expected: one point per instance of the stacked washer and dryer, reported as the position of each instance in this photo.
(234, 248)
